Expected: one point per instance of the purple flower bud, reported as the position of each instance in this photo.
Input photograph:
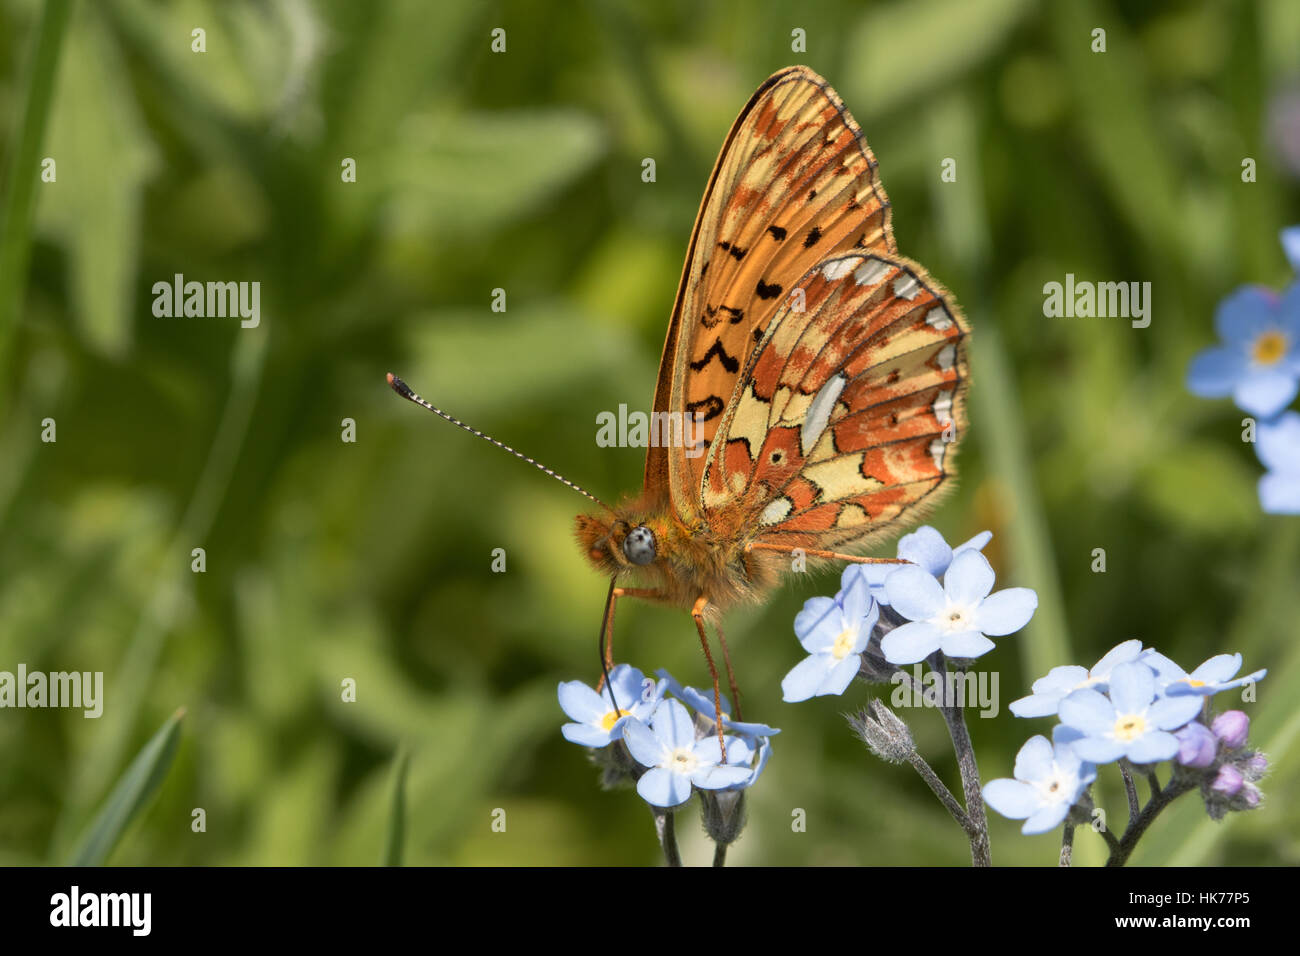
(1229, 781)
(1197, 747)
(1255, 766)
(1231, 727)
(1249, 796)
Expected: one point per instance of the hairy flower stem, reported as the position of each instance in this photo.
(667, 832)
(1160, 799)
(942, 792)
(720, 855)
(1067, 845)
(955, 718)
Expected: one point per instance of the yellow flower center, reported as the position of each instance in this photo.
(843, 645)
(1130, 726)
(1269, 348)
(610, 719)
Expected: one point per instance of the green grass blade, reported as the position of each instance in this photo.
(396, 834)
(134, 789)
(19, 198)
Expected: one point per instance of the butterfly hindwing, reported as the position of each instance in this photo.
(845, 415)
(794, 183)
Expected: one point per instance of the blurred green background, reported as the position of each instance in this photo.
(521, 170)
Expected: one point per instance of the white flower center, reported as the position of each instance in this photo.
(682, 760)
(956, 619)
(1130, 726)
(1055, 788)
(843, 645)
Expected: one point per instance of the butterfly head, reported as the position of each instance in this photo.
(615, 543)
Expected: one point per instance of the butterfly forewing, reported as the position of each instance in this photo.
(794, 183)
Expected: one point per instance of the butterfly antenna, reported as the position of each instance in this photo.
(401, 388)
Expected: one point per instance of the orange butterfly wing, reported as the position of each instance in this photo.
(795, 182)
(846, 413)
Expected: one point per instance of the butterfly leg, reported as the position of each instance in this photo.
(697, 612)
(731, 674)
(815, 553)
(607, 626)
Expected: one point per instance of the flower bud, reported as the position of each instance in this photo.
(884, 733)
(1232, 727)
(1197, 747)
(1229, 781)
(723, 814)
(1254, 766)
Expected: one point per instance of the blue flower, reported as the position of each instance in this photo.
(702, 702)
(834, 632)
(1131, 723)
(925, 548)
(750, 752)
(597, 723)
(1278, 447)
(1061, 681)
(1210, 678)
(1259, 362)
(953, 617)
(676, 759)
(1049, 780)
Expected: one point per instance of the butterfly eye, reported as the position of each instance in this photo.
(639, 545)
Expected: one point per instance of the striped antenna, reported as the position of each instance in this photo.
(401, 388)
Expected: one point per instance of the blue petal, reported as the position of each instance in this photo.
(1244, 314)
(911, 642)
(1034, 761)
(1291, 246)
(840, 677)
(858, 604)
(1214, 373)
(1048, 818)
(1279, 494)
(581, 703)
(1006, 612)
(1217, 669)
(1278, 444)
(805, 677)
(1036, 705)
(1152, 747)
(1061, 680)
(914, 593)
(814, 611)
(1100, 749)
(586, 735)
(974, 544)
(925, 547)
(1170, 713)
(966, 644)
(1088, 711)
(660, 788)
(645, 748)
(1123, 653)
(1132, 688)
(720, 777)
(1265, 391)
(1011, 798)
(673, 725)
(627, 684)
(969, 578)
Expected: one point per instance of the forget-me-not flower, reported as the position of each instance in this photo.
(1131, 722)
(834, 632)
(1211, 677)
(1259, 361)
(1062, 681)
(925, 548)
(676, 759)
(1049, 779)
(596, 722)
(954, 616)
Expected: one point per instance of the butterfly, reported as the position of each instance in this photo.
(823, 374)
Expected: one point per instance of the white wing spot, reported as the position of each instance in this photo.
(819, 412)
(942, 408)
(947, 357)
(839, 268)
(871, 272)
(776, 510)
(937, 449)
(939, 319)
(906, 287)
